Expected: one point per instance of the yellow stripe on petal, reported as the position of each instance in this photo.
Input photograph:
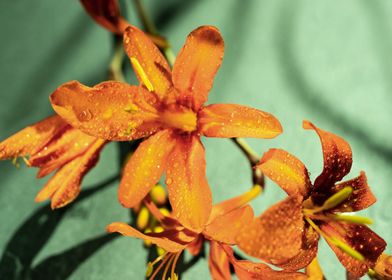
(143, 76)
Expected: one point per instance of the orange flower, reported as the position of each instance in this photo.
(107, 14)
(224, 222)
(168, 107)
(287, 234)
(53, 144)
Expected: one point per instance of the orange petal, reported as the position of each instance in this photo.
(145, 168)
(313, 271)
(61, 150)
(64, 186)
(246, 270)
(110, 110)
(155, 67)
(360, 238)
(33, 138)
(337, 162)
(106, 13)
(276, 236)
(384, 266)
(189, 192)
(229, 205)
(287, 171)
(218, 262)
(197, 64)
(361, 197)
(161, 239)
(232, 120)
(226, 227)
(196, 245)
(306, 254)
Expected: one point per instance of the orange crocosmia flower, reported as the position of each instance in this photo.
(224, 222)
(106, 13)
(287, 234)
(168, 108)
(52, 144)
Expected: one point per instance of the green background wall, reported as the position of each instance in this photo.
(326, 61)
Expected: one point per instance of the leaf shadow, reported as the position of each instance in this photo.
(32, 235)
(308, 93)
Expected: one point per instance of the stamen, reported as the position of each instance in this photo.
(143, 76)
(27, 162)
(351, 219)
(337, 242)
(165, 258)
(15, 162)
(172, 257)
(335, 199)
(174, 275)
(347, 249)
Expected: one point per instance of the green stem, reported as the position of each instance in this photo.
(150, 27)
(115, 66)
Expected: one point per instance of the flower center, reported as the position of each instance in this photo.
(179, 117)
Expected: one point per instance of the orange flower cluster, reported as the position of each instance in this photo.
(167, 110)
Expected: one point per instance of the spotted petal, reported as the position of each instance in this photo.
(276, 236)
(360, 238)
(287, 171)
(232, 120)
(110, 110)
(337, 162)
(197, 64)
(189, 192)
(361, 197)
(246, 270)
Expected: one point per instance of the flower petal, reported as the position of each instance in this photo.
(106, 13)
(313, 270)
(197, 64)
(384, 266)
(145, 168)
(287, 171)
(64, 186)
(276, 236)
(189, 192)
(33, 138)
(232, 120)
(154, 67)
(61, 150)
(161, 239)
(306, 254)
(337, 162)
(237, 202)
(110, 110)
(226, 227)
(361, 197)
(360, 238)
(218, 262)
(245, 270)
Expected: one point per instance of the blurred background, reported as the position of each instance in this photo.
(325, 61)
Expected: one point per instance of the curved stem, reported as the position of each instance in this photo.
(115, 66)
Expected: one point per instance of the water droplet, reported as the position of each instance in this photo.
(85, 116)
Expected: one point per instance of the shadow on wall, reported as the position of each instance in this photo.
(32, 236)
